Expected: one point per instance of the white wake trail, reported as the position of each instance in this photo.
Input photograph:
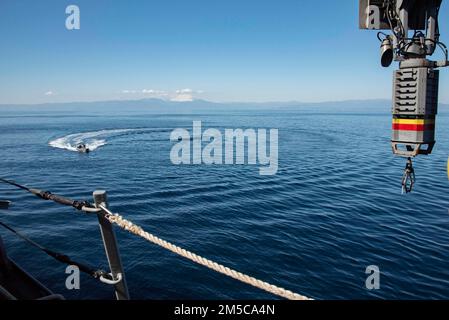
(93, 140)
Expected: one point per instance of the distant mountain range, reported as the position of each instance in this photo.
(203, 106)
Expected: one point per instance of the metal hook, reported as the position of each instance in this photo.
(111, 282)
(408, 178)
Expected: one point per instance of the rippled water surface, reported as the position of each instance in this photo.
(334, 207)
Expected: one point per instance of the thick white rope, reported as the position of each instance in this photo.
(135, 229)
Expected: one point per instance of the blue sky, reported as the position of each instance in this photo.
(227, 50)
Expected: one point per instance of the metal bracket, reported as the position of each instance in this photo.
(111, 248)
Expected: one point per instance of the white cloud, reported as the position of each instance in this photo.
(180, 95)
(155, 93)
(146, 93)
(184, 91)
(49, 93)
(129, 91)
(185, 95)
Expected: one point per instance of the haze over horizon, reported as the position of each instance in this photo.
(195, 100)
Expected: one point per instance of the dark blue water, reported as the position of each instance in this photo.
(334, 207)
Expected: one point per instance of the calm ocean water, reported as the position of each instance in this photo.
(334, 207)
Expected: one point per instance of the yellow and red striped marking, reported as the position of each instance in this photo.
(413, 124)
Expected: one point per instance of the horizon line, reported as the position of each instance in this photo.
(199, 100)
